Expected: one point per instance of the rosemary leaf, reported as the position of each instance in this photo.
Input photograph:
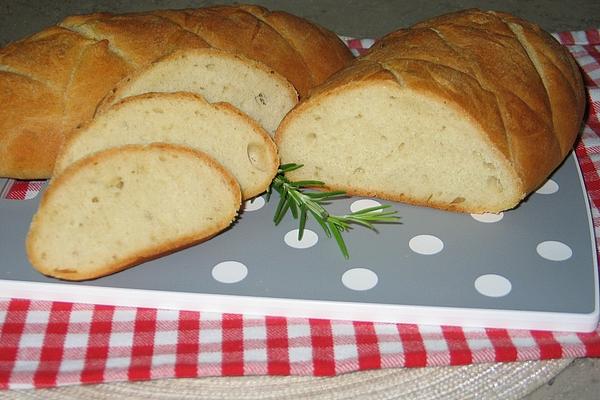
(293, 208)
(321, 222)
(282, 207)
(300, 184)
(289, 167)
(302, 224)
(325, 195)
(339, 239)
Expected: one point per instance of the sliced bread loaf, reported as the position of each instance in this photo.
(122, 206)
(220, 130)
(217, 76)
(52, 81)
(468, 112)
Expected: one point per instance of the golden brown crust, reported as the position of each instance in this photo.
(137, 38)
(82, 94)
(88, 54)
(67, 273)
(560, 74)
(48, 58)
(45, 92)
(321, 50)
(491, 50)
(30, 126)
(408, 199)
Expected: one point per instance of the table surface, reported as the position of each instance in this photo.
(356, 19)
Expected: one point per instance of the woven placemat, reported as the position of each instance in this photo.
(476, 381)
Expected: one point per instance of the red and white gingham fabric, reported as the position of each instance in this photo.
(46, 344)
(20, 190)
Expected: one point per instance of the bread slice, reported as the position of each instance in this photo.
(125, 205)
(460, 113)
(229, 136)
(218, 76)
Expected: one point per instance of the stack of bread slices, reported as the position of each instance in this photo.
(179, 143)
(150, 174)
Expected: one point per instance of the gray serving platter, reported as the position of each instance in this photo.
(534, 267)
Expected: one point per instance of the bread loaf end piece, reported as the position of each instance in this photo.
(381, 140)
(469, 111)
(232, 138)
(123, 206)
(217, 76)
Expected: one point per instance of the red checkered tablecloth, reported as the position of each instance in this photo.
(46, 344)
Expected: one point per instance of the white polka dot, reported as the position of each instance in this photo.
(493, 285)
(362, 204)
(488, 218)
(426, 244)
(229, 272)
(549, 187)
(360, 279)
(554, 251)
(254, 204)
(309, 239)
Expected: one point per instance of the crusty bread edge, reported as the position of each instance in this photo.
(267, 140)
(142, 256)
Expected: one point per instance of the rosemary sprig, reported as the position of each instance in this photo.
(300, 203)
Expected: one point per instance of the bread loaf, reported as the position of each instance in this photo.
(52, 81)
(217, 76)
(469, 111)
(122, 206)
(220, 130)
